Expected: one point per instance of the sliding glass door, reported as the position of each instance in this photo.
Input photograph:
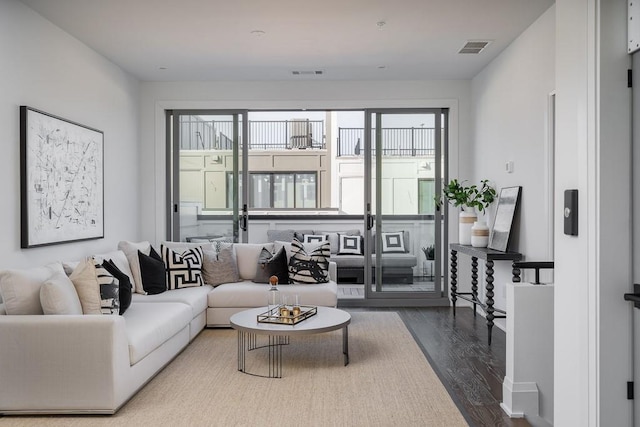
(206, 163)
(404, 159)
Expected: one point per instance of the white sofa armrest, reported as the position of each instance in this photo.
(63, 363)
(333, 271)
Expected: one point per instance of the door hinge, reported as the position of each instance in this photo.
(630, 390)
(629, 78)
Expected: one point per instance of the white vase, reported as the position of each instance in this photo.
(466, 221)
(479, 234)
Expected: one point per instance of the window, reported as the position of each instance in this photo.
(279, 190)
(426, 194)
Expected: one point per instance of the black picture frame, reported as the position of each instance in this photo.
(508, 204)
(61, 180)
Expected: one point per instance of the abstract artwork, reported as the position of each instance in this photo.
(62, 181)
(505, 212)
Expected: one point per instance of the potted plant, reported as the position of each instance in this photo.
(429, 252)
(469, 198)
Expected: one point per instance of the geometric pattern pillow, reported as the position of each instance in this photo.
(393, 242)
(309, 268)
(109, 291)
(315, 238)
(349, 245)
(184, 269)
(124, 284)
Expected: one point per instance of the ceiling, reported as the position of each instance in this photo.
(230, 40)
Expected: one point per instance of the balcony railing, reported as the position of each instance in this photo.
(406, 142)
(198, 134)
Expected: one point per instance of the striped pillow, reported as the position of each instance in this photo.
(183, 269)
(309, 268)
(109, 290)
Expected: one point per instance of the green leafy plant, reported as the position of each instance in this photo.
(429, 252)
(472, 197)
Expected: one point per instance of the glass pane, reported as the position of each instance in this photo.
(305, 190)
(283, 191)
(206, 172)
(426, 196)
(260, 190)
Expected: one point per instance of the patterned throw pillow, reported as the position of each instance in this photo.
(349, 245)
(272, 265)
(184, 270)
(315, 238)
(393, 242)
(308, 268)
(124, 284)
(109, 291)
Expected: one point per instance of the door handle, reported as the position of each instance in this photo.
(369, 221)
(244, 218)
(634, 297)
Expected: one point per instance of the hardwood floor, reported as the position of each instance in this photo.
(457, 348)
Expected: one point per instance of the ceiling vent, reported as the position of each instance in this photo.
(474, 46)
(308, 73)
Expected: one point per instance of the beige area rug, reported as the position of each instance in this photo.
(388, 382)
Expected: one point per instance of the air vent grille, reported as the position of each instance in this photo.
(474, 47)
(307, 72)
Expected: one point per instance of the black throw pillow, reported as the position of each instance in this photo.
(272, 265)
(124, 284)
(154, 279)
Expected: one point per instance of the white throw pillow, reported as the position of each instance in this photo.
(20, 289)
(58, 296)
(131, 249)
(393, 242)
(86, 284)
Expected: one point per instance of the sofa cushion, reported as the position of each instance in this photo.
(247, 255)
(249, 294)
(220, 267)
(59, 296)
(195, 297)
(184, 270)
(348, 261)
(124, 284)
(131, 249)
(148, 326)
(20, 289)
(311, 267)
(283, 235)
(152, 272)
(86, 284)
(349, 245)
(272, 265)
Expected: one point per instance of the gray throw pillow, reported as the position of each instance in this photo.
(220, 267)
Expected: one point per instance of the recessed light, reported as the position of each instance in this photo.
(258, 33)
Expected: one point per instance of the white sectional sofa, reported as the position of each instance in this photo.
(94, 363)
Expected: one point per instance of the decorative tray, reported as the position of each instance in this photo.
(284, 315)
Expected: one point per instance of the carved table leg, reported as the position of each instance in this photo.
(454, 277)
(474, 282)
(489, 297)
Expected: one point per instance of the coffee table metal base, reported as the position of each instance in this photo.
(247, 341)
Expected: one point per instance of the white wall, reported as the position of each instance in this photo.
(592, 323)
(509, 110)
(45, 68)
(158, 96)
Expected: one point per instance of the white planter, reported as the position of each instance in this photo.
(466, 221)
(479, 234)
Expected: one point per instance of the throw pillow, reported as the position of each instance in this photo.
(315, 238)
(59, 296)
(131, 250)
(84, 279)
(152, 272)
(124, 284)
(312, 267)
(393, 242)
(20, 289)
(219, 268)
(184, 270)
(333, 237)
(109, 290)
(272, 265)
(349, 245)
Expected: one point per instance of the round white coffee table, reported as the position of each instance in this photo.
(246, 323)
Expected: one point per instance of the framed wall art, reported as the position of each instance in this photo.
(508, 203)
(61, 180)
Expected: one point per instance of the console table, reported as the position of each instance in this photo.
(489, 255)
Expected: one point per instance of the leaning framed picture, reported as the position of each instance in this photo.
(61, 180)
(508, 203)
